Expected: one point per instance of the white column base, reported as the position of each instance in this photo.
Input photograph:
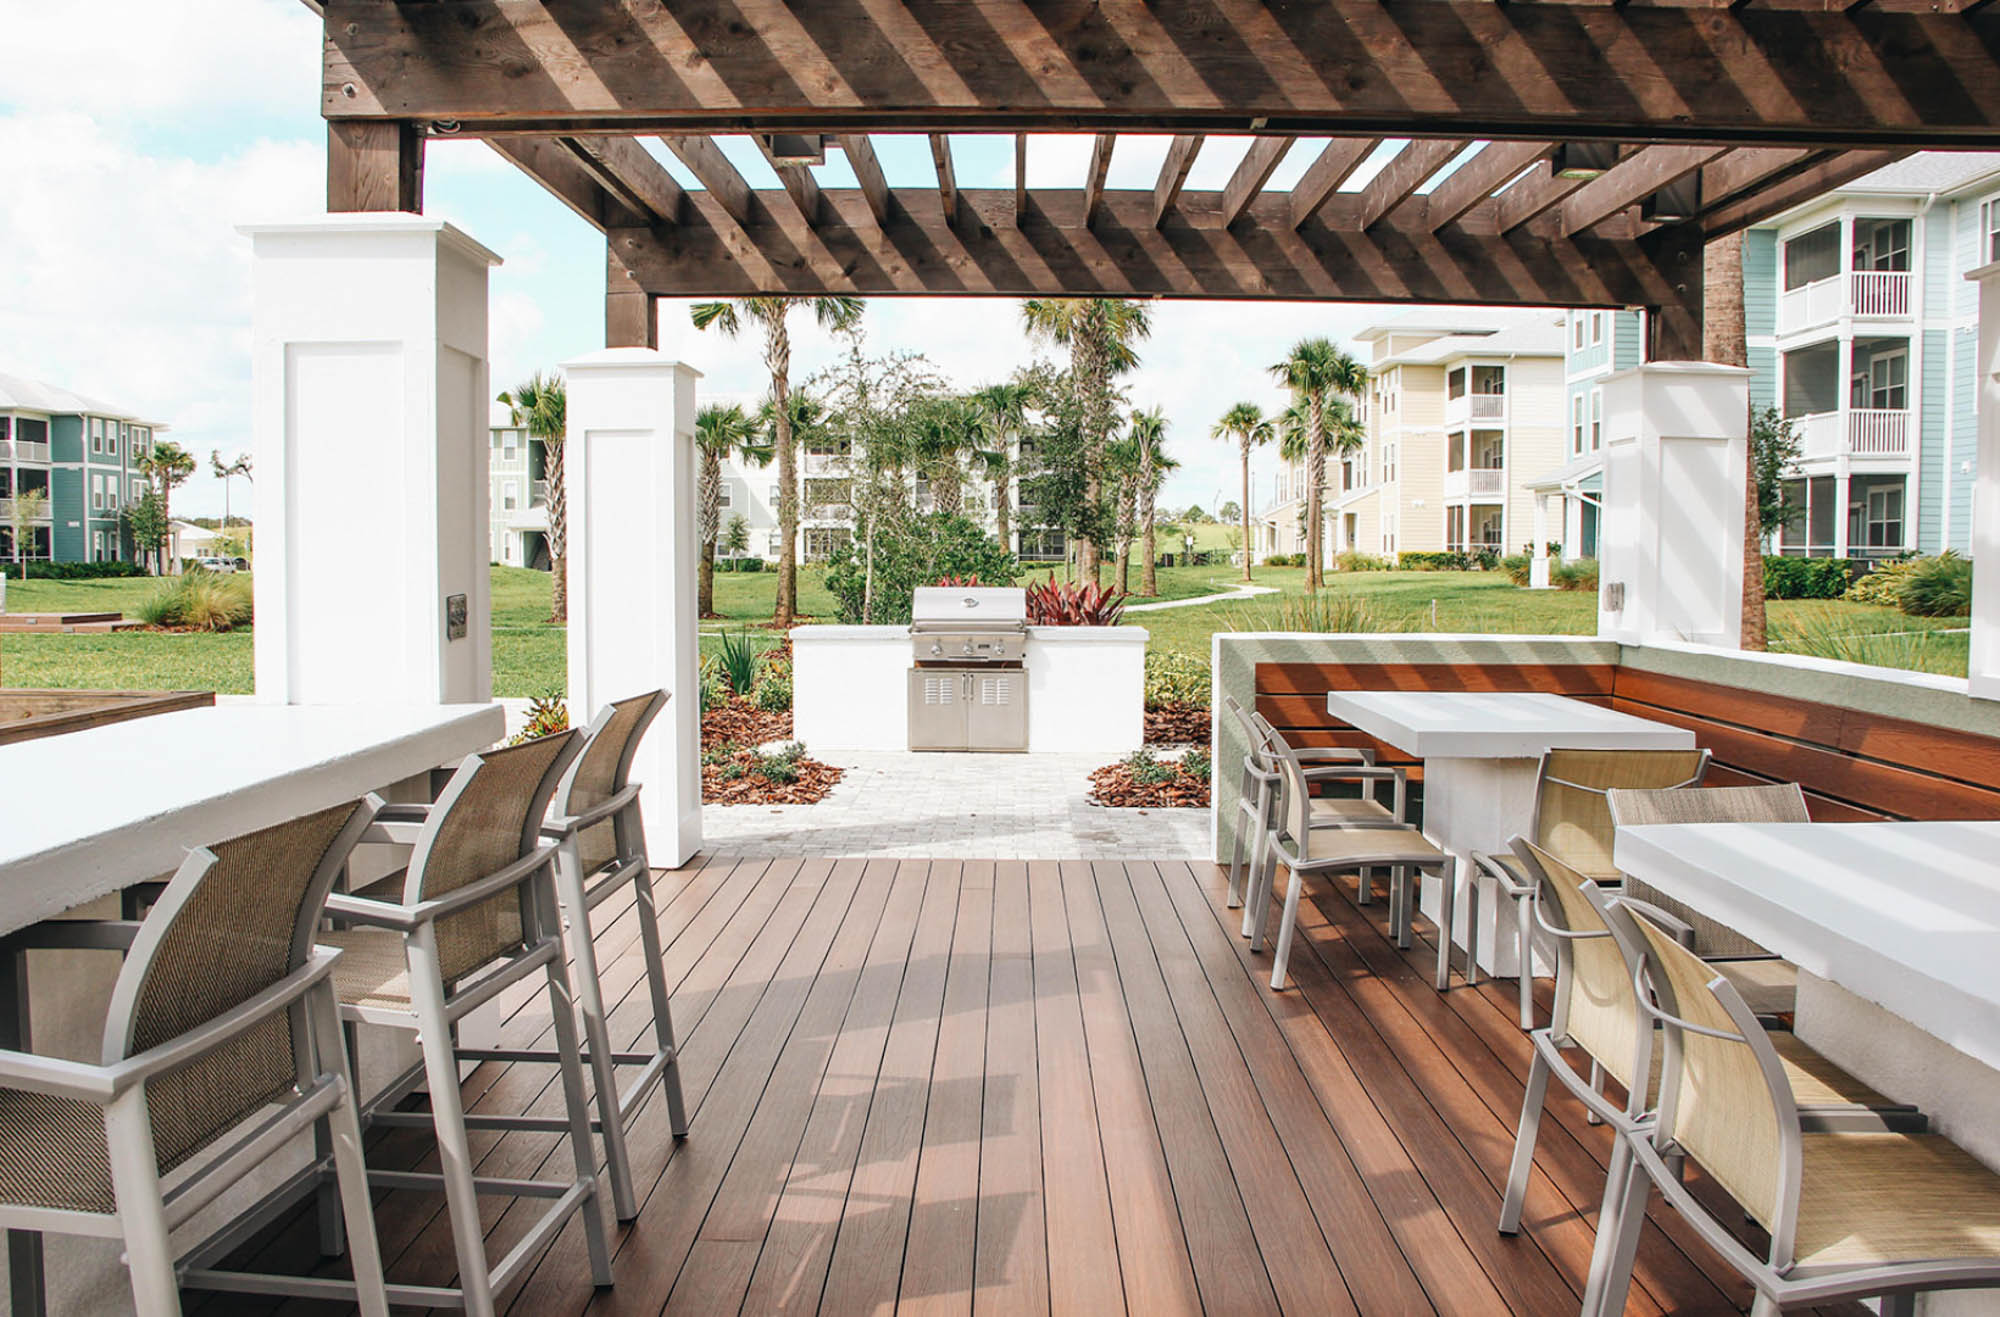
(1478, 805)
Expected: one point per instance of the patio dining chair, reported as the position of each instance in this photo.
(1305, 849)
(222, 1045)
(1768, 983)
(1597, 1017)
(477, 914)
(1849, 1213)
(1572, 821)
(1257, 799)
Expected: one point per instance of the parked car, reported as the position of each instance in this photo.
(221, 566)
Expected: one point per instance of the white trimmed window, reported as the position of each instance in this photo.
(773, 544)
(510, 495)
(97, 493)
(1596, 419)
(725, 494)
(1576, 330)
(97, 546)
(1596, 328)
(1576, 424)
(1989, 231)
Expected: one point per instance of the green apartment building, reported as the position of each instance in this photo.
(84, 455)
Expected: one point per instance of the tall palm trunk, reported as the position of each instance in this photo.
(1091, 364)
(1246, 509)
(1003, 503)
(552, 472)
(947, 494)
(1149, 581)
(1723, 341)
(778, 356)
(1315, 485)
(709, 520)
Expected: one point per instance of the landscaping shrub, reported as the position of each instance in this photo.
(1353, 560)
(1284, 560)
(199, 601)
(1412, 560)
(1195, 763)
(714, 686)
(1147, 770)
(75, 571)
(782, 766)
(773, 693)
(1834, 632)
(738, 661)
(1808, 578)
(1939, 587)
(1176, 677)
(1332, 613)
(909, 552)
(1882, 584)
(1073, 603)
(1579, 574)
(547, 715)
(1518, 567)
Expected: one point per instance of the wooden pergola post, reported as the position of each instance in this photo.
(631, 314)
(374, 165)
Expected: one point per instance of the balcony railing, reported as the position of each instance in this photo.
(1855, 432)
(7, 512)
(23, 450)
(1476, 407)
(1477, 482)
(1856, 293)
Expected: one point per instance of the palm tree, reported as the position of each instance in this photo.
(1100, 333)
(944, 431)
(720, 433)
(225, 472)
(168, 466)
(1315, 371)
(1248, 426)
(1005, 409)
(540, 405)
(1723, 341)
(772, 313)
(1121, 467)
(1149, 431)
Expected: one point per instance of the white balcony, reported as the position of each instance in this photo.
(1478, 482)
(1475, 407)
(23, 450)
(7, 513)
(1854, 432)
(1856, 293)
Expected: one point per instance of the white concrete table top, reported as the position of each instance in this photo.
(88, 813)
(1906, 915)
(1496, 724)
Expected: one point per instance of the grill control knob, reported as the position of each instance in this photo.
(937, 648)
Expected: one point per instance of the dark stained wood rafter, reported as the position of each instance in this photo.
(1258, 162)
(860, 153)
(798, 182)
(1838, 171)
(706, 162)
(1402, 176)
(1173, 175)
(1336, 164)
(1629, 181)
(1020, 177)
(1478, 178)
(1093, 183)
(1533, 195)
(947, 176)
(1750, 168)
(551, 163)
(628, 172)
(1894, 75)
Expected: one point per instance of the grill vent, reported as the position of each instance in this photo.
(941, 690)
(996, 690)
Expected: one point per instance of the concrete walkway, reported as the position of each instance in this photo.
(958, 806)
(1237, 591)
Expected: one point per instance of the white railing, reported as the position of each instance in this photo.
(1488, 480)
(1809, 304)
(23, 450)
(1819, 435)
(1880, 293)
(7, 513)
(1488, 406)
(1878, 433)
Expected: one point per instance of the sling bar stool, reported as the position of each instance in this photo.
(1597, 1014)
(478, 914)
(1573, 823)
(1849, 1214)
(1304, 849)
(222, 1033)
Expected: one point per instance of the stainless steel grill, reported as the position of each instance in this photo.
(968, 686)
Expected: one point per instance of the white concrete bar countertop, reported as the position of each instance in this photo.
(1905, 915)
(1496, 724)
(88, 813)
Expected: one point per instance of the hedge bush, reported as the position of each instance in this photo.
(75, 571)
(1939, 587)
(910, 552)
(1809, 578)
(1882, 584)
(1519, 568)
(1580, 574)
(1284, 560)
(1414, 560)
(1353, 560)
(1176, 677)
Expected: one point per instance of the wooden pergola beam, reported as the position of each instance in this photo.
(1402, 176)
(706, 162)
(1803, 186)
(1261, 257)
(860, 153)
(1476, 180)
(798, 182)
(947, 177)
(1093, 183)
(551, 163)
(1531, 197)
(1252, 172)
(1020, 177)
(1893, 75)
(623, 168)
(1631, 179)
(1748, 169)
(1173, 174)
(1336, 164)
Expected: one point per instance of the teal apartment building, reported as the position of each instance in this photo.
(83, 455)
(1595, 344)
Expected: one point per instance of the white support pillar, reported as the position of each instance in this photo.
(629, 470)
(1671, 536)
(370, 396)
(1538, 567)
(1984, 672)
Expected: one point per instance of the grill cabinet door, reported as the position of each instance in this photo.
(937, 709)
(996, 710)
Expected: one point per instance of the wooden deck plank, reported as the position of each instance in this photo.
(866, 1269)
(1083, 1243)
(1010, 1254)
(1153, 1261)
(944, 1216)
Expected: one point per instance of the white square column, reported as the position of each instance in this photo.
(1984, 671)
(1670, 540)
(370, 400)
(629, 470)
(1538, 563)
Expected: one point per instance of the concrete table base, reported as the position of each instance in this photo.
(1478, 805)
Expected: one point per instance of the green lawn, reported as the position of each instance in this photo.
(529, 655)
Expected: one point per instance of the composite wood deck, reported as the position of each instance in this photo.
(1052, 1087)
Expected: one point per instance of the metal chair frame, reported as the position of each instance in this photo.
(324, 1102)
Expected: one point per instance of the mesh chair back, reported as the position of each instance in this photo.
(237, 918)
(1253, 737)
(1571, 818)
(1784, 803)
(1597, 1007)
(1294, 797)
(1718, 1101)
(489, 816)
(603, 768)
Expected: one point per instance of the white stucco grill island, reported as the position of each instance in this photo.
(1480, 751)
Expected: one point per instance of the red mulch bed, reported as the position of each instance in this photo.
(740, 722)
(753, 788)
(1112, 786)
(1177, 724)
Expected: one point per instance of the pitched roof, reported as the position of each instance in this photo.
(35, 396)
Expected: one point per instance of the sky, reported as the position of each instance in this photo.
(131, 162)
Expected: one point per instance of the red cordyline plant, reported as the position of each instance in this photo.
(1059, 603)
(957, 582)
